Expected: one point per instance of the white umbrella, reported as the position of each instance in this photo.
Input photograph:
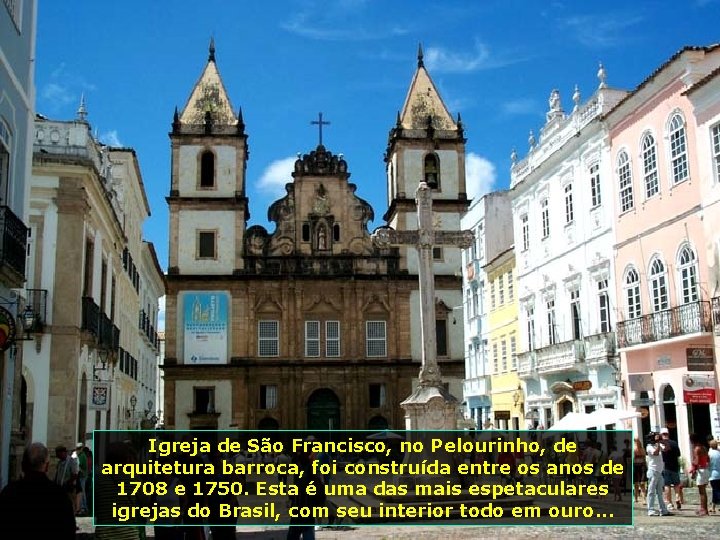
(572, 421)
(603, 417)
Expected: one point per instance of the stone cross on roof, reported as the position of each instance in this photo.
(320, 123)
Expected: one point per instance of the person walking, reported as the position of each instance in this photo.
(655, 467)
(671, 471)
(700, 471)
(81, 460)
(714, 458)
(639, 472)
(66, 475)
(35, 505)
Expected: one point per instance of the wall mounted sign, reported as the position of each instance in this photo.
(664, 361)
(700, 358)
(699, 389)
(640, 382)
(8, 329)
(581, 385)
(502, 415)
(99, 396)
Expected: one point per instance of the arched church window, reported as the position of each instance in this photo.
(207, 169)
(431, 171)
(336, 232)
(306, 232)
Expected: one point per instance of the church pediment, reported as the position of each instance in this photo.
(320, 162)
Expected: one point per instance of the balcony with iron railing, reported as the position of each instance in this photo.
(567, 356)
(13, 248)
(148, 330)
(99, 325)
(686, 320)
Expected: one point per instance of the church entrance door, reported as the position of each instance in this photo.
(323, 410)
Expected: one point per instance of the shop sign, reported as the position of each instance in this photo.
(640, 382)
(699, 389)
(700, 358)
(664, 361)
(502, 415)
(581, 385)
(642, 402)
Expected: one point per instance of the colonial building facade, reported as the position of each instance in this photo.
(663, 286)
(17, 103)
(563, 226)
(86, 368)
(490, 218)
(308, 325)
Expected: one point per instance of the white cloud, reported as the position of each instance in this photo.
(276, 175)
(439, 59)
(520, 106)
(161, 314)
(602, 31)
(57, 95)
(479, 175)
(110, 138)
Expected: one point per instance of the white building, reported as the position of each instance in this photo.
(88, 363)
(563, 224)
(491, 221)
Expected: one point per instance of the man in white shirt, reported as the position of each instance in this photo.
(655, 466)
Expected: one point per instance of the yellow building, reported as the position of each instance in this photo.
(507, 396)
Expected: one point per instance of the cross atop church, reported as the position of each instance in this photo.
(320, 123)
(424, 238)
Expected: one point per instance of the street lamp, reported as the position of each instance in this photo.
(102, 358)
(133, 402)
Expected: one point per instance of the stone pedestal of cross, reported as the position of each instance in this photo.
(430, 406)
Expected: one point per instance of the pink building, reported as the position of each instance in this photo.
(664, 300)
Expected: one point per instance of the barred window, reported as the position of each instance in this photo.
(625, 182)
(332, 338)
(268, 338)
(545, 211)
(312, 338)
(569, 210)
(649, 156)
(375, 338)
(632, 294)
(715, 135)
(678, 149)
(595, 195)
(525, 232)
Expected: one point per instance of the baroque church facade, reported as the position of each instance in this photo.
(308, 326)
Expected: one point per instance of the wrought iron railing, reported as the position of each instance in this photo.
(690, 318)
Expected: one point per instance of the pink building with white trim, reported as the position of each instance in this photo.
(663, 288)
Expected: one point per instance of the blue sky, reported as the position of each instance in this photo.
(283, 62)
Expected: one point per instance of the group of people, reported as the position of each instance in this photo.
(74, 475)
(657, 468)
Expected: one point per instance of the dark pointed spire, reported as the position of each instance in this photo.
(211, 56)
(421, 63)
(241, 122)
(398, 122)
(176, 120)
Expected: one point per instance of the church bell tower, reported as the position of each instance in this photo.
(207, 203)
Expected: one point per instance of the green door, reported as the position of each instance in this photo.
(323, 410)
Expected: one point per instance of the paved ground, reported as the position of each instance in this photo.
(683, 524)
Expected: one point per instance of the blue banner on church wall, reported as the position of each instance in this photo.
(205, 327)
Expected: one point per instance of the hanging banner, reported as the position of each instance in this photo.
(99, 396)
(205, 327)
(699, 389)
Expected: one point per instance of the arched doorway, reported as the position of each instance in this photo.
(565, 406)
(669, 411)
(268, 423)
(323, 410)
(377, 423)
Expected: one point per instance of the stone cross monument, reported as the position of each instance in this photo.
(430, 406)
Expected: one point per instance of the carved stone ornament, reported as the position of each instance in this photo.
(320, 162)
(321, 206)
